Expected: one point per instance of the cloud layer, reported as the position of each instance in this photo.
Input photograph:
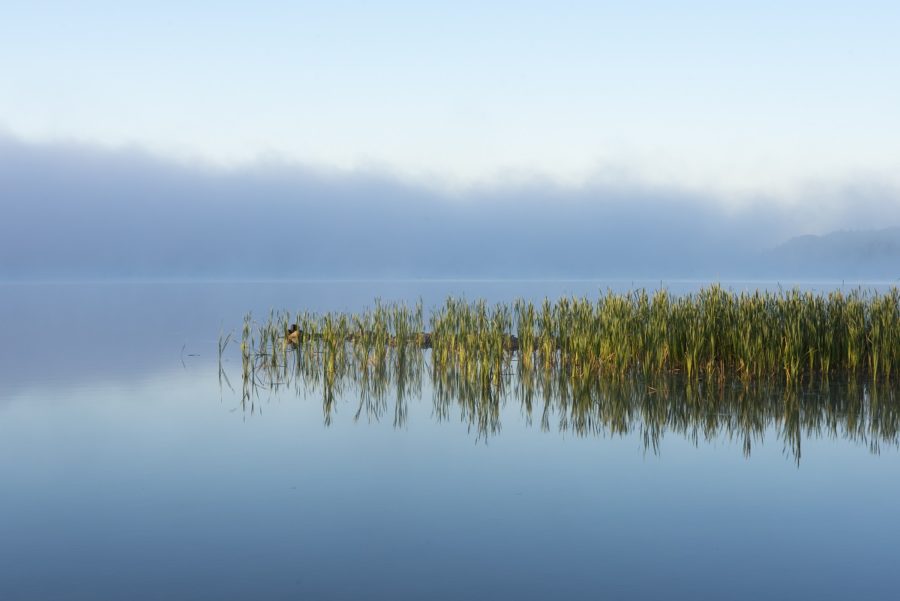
(79, 211)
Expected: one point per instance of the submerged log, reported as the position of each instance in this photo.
(422, 339)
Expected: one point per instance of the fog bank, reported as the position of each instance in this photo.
(77, 211)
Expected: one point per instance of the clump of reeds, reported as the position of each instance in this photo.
(714, 333)
(717, 333)
(701, 364)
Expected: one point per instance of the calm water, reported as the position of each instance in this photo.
(128, 472)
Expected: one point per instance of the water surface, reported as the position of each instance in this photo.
(129, 472)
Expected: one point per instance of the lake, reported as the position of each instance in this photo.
(131, 470)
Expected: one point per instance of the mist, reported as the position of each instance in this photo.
(79, 211)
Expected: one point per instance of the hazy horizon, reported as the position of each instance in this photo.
(84, 211)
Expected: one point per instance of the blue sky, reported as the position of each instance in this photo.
(735, 100)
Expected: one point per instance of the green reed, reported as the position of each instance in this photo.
(700, 364)
(711, 334)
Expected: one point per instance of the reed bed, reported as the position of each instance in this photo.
(714, 333)
(704, 364)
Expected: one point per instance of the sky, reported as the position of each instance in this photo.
(756, 97)
(779, 118)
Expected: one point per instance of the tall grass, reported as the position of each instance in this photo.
(709, 335)
(714, 333)
(700, 364)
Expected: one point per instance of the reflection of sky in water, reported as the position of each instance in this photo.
(127, 475)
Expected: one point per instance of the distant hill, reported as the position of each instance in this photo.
(873, 254)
